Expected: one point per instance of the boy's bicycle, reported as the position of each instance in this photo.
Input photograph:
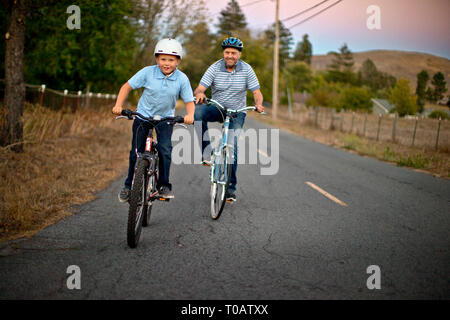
(143, 189)
(221, 162)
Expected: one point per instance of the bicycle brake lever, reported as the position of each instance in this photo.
(121, 117)
(181, 125)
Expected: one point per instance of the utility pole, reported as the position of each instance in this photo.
(275, 63)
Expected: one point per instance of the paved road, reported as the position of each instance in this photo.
(283, 239)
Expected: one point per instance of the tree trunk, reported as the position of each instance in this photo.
(14, 82)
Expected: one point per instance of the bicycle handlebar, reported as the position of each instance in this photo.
(128, 114)
(208, 100)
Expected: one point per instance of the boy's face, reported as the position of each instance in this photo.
(231, 56)
(167, 63)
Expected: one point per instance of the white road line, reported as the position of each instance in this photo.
(326, 194)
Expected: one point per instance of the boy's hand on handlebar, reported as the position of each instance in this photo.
(259, 108)
(117, 110)
(189, 119)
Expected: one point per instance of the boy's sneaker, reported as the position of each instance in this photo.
(230, 196)
(124, 194)
(166, 193)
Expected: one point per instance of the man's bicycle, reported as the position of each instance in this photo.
(143, 189)
(221, 162)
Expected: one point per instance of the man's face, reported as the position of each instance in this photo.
(231, 56)
(167, 63)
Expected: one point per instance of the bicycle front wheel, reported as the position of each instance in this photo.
(221, 177)
(138, 204)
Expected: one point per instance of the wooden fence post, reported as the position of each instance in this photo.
(64, 98)
(78, 101)
(437, 136)
(365, 124)
(379, 125)
(415, 128)
(41, 98)
(394, 127)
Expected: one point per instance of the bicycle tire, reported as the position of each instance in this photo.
(137, 204)
(152, 188)
(218, 191)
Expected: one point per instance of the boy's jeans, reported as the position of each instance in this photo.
(205, 113)
(164, 135)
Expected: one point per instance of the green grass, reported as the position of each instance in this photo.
(414, 161)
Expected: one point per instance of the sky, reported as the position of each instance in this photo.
(408, 25)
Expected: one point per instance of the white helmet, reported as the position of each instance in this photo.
(169, 46)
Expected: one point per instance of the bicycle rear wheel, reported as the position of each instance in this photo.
(138, 204)
(221, 177)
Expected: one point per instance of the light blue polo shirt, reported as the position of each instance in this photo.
(160, 92)
(230, 88)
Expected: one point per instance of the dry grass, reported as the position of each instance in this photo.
(67, 158)
(422, 158)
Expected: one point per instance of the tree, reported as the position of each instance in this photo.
(300, 75)
(303, 51)
(354, 98)
(286, 41)
(74, 59)
(405, 103)
(439, 84)
(158, 19)
(232, 19)
(422, 80)
(14, 79)
(198, 49)
(341, 68)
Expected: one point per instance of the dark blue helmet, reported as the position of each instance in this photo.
(232, 42)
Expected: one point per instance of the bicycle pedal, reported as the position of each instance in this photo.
(163, 199)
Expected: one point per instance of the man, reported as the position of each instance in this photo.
(229, 78)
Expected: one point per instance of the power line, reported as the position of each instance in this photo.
(304, 20)
(250, 3)
(242, 6)
(304, 11)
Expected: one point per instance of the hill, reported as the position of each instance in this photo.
(400, 64)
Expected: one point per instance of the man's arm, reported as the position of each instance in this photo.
(258, 97)
(123, 94)
(199, 94)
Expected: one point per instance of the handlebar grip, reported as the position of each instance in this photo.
(127, 113)
(178, 119)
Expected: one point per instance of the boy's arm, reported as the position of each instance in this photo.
(123, 94)
(190, 109)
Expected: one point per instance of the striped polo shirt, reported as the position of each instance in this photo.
(230, 88)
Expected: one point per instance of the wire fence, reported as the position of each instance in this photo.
(409, 131)
(56, 100)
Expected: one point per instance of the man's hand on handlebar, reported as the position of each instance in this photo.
(200, 97)
(259, 108)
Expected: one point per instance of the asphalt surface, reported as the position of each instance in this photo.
(282, 239)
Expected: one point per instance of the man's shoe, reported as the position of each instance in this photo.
(124, 195)
(166, 193)
(230, 196)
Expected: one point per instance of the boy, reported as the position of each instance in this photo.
(163, 83)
